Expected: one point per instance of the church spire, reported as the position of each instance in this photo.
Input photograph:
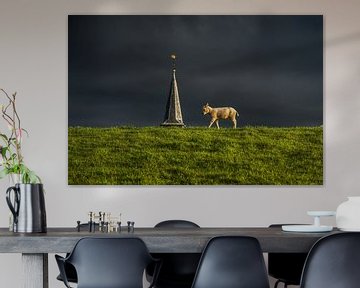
(173, 115)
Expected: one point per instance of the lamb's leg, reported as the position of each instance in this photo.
(211, 122)
(234, 123)
(217, 123)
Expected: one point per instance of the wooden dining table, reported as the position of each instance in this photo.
(35, 247)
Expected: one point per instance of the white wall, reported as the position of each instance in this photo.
(33, 62)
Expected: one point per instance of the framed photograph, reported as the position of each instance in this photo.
(195, 100)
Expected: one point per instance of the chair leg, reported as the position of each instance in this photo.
(279, 281)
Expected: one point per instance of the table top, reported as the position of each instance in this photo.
(158, 240)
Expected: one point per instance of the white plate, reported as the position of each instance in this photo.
(306, 228)
(321, 213)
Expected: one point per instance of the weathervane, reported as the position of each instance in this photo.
(173, 57)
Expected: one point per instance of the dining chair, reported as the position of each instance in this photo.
(108, 263)
(232, 262)
(333, 262)
(286, 267)
(178, 269)
(69, 269)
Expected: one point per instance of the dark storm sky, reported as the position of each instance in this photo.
(269, 68)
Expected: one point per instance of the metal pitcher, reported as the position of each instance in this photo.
(28, 207)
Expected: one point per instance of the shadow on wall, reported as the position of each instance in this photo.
(345, 39)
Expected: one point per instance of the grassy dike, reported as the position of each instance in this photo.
(195, 156)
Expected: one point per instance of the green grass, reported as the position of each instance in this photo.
(195, 156)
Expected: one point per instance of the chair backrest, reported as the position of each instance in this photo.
(178, 269)
(232, 262)
(176, 224)
(110, 262)
(333, 262)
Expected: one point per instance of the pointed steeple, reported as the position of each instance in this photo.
(173, 115)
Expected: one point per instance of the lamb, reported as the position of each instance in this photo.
(220, 113)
